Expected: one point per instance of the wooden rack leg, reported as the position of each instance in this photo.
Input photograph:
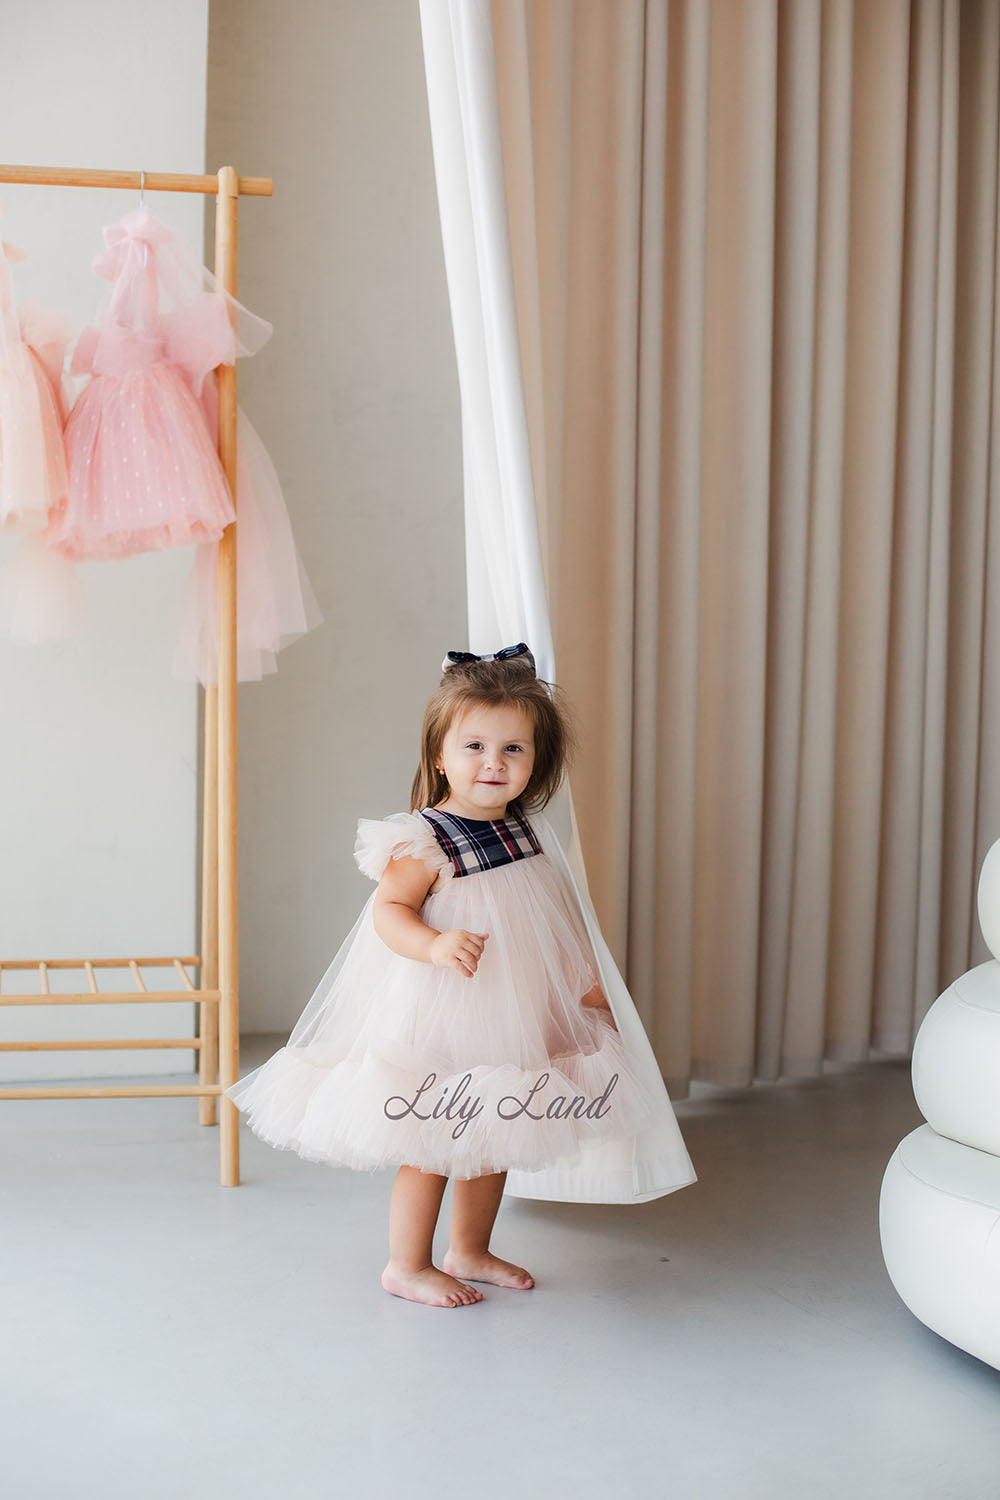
(229, 1028)
(208, 1029)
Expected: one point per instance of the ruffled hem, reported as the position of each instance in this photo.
(80, 546)
(381, 839)
(380, 1109)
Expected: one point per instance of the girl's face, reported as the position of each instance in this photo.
(487, 756)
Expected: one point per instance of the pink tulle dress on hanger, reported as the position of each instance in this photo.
(144, 473)
(32, 460)
(40, 595)
(275, 600)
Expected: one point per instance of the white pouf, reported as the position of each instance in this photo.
(988, 899)
(939, 1221)
(956, 1060)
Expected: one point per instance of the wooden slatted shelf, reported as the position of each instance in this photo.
(94, 995)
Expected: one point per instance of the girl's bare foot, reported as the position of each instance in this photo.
(487, 1267)
(429, 1285)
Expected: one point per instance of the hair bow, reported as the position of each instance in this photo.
(455, 658)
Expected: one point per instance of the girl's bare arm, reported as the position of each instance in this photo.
(400, 895)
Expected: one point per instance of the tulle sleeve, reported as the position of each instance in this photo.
(381, 839)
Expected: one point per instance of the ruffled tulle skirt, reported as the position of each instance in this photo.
(143, 471)
(276, 599)
(397, 1061)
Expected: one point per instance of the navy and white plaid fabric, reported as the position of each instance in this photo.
(473, 844)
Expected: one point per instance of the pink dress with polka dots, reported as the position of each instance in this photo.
(144, 472)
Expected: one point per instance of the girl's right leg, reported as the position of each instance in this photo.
(413, 1212)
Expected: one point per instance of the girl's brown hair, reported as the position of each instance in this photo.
(497, 684)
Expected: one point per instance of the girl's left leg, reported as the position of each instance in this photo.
(413, 1210)
(474, 1206)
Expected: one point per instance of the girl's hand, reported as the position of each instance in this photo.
(595, 999)
(459, 950)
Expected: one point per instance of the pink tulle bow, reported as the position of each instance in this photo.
(130, 239)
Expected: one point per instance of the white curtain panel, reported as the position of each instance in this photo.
(505, 579)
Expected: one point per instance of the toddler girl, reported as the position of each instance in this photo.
(461, 1030)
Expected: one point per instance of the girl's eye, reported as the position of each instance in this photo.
(475, 745)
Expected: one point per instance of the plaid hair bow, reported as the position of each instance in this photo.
(455, 658)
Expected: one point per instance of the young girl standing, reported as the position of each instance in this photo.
(461, 1030)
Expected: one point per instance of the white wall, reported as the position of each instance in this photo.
(98, 754)
(356, 397)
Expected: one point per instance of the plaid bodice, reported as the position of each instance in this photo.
(476, 844)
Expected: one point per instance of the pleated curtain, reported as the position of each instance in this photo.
(751, 253)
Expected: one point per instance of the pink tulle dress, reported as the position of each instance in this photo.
(398, 1061)
(144, 473)
(32, 460)
(41, 597)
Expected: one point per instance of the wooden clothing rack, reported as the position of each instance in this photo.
(217, 991)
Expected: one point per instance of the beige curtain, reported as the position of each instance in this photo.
(755, 250)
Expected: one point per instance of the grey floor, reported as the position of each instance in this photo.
(163, 1336)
